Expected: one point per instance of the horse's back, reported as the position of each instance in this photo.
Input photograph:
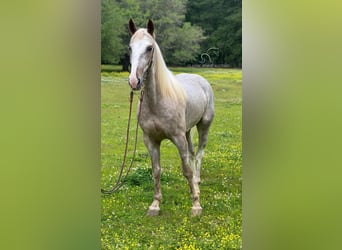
(195, 85)
(200, 98)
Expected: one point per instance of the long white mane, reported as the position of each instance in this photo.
(169, 86)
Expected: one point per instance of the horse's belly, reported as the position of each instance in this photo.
(195, 108)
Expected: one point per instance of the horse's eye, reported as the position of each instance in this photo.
(149, 48)
(130, 49)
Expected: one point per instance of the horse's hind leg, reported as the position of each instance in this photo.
(191, 150)
(190, 146)
(154, 150)
(203, 130)
(192, 159)
(183, 149)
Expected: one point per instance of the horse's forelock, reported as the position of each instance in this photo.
(141, 34)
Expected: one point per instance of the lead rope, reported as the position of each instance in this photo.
(120, 181)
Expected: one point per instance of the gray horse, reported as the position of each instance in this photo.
(171, 106)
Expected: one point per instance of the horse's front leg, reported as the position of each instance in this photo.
(154, 150)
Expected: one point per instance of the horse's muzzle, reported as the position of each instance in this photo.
(138, 85)
(135, 84)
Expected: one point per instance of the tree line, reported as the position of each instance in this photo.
(187, 31)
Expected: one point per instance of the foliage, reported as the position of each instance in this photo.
(187, 38)
(124, 224)
(222, 22)
(112, 44)
(184, 29)
(179, 41)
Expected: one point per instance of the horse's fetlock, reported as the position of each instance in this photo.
(158, 197)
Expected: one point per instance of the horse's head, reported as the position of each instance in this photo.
(141, 49)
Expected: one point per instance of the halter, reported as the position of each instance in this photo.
(147, 72)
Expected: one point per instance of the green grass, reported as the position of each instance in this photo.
(124, 224)
(110, 68)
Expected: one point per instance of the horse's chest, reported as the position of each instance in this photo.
(162, 125)
(151, 125)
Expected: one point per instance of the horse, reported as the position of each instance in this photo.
(170, 107)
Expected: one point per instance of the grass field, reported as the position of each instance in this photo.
(124, 224)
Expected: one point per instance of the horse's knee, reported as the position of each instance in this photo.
(156, 172)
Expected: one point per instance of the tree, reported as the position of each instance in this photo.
(221, 21)
(229, 38)
(111, 37)
(187, 44)
(179, 41)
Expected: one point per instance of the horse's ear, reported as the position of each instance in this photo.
(150, 27)
(131, 27)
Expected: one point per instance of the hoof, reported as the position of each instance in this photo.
(196, 211)
(153, 211)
